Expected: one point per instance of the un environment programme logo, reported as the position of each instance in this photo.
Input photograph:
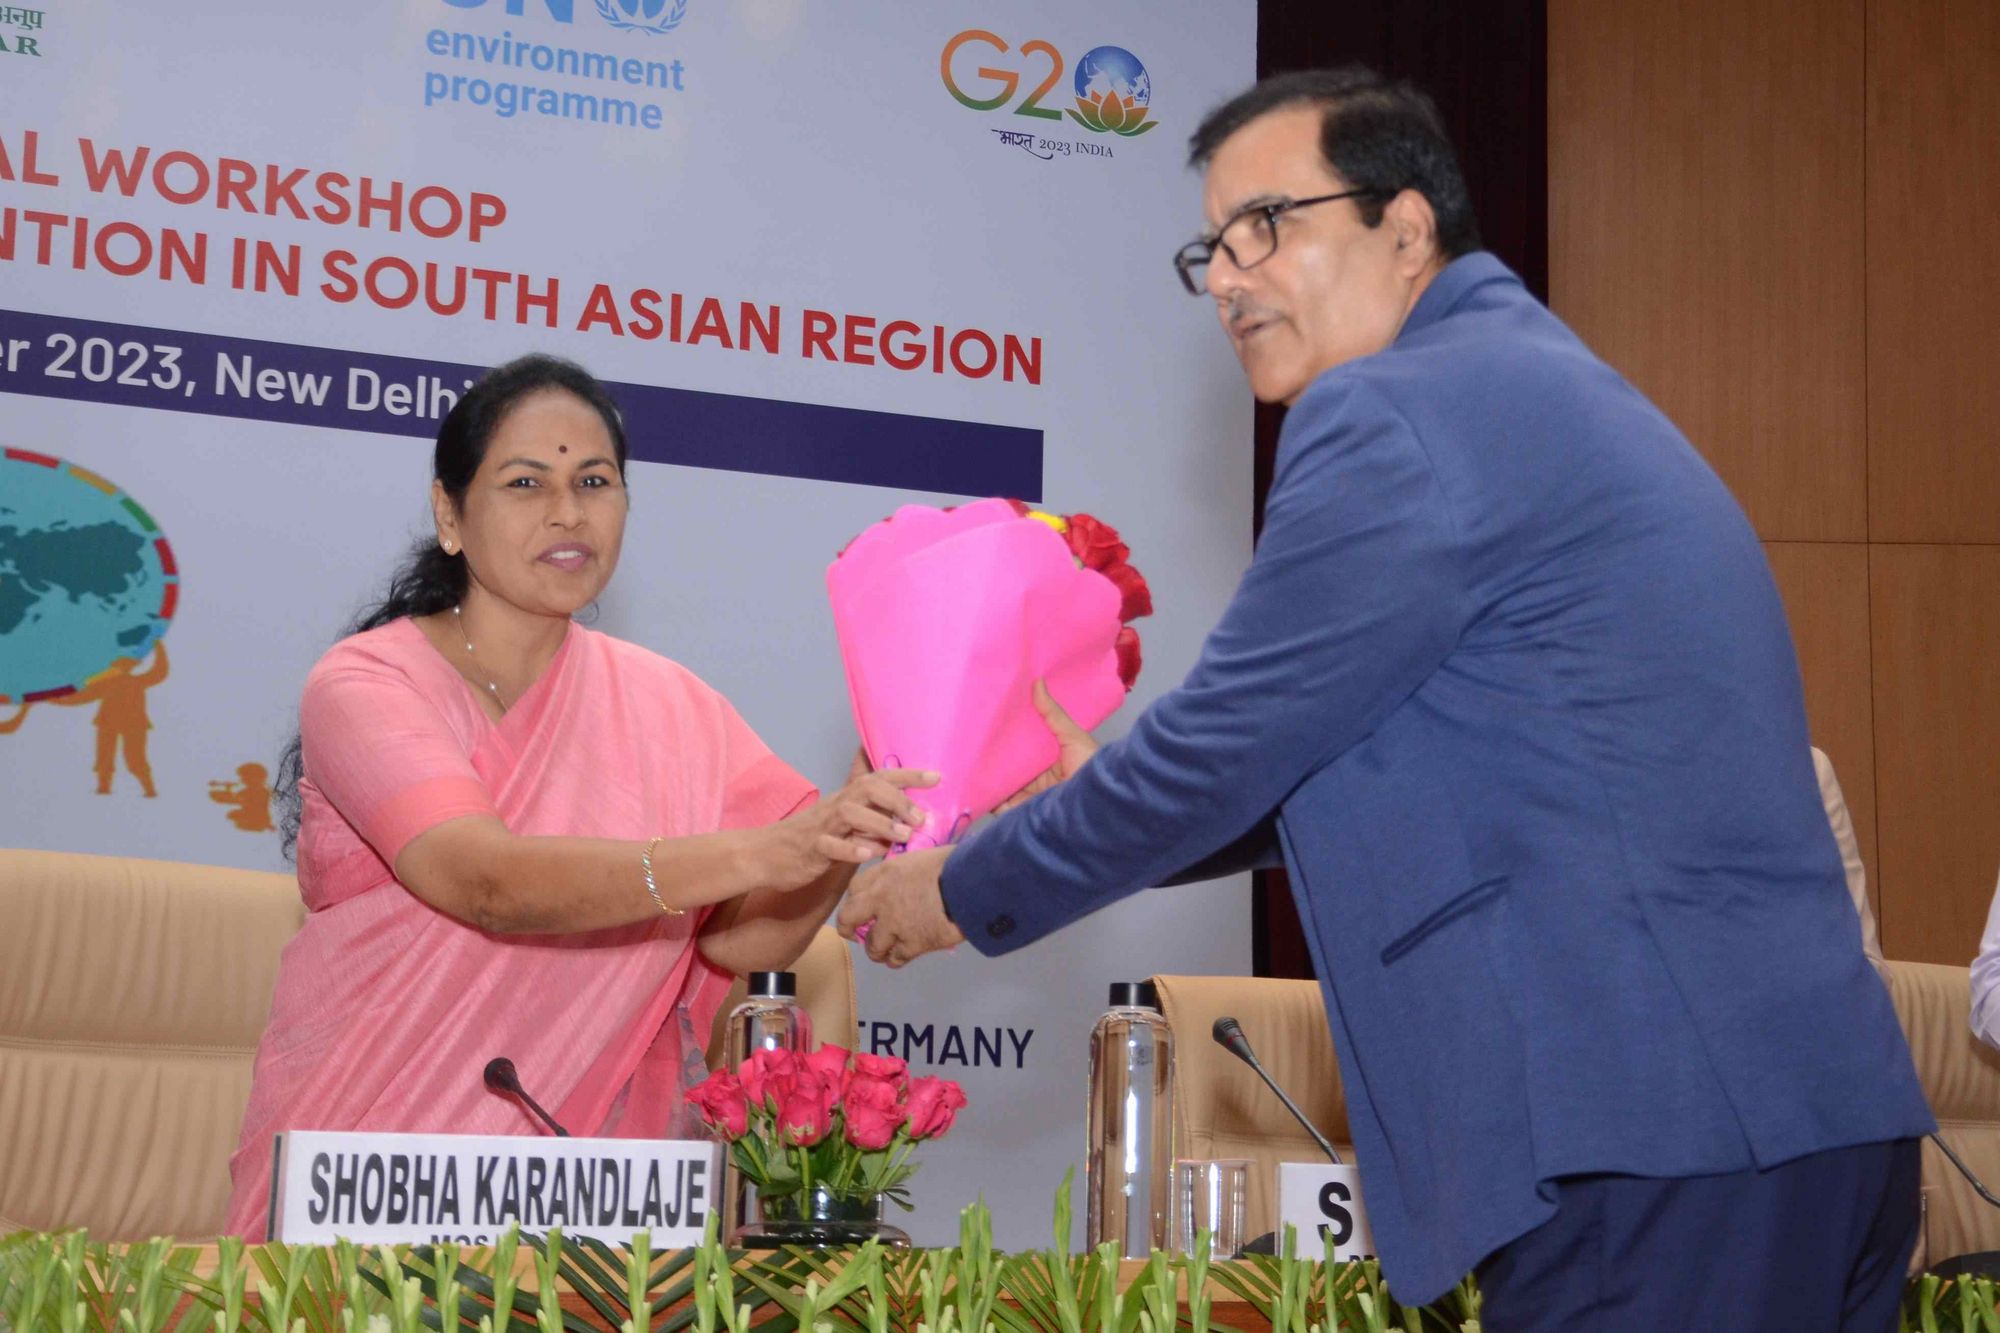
(642, 15)
(1112, 88)
(624, 15)
(88, 589)
(528, 60)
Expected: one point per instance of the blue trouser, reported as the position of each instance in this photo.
(1817, 1245)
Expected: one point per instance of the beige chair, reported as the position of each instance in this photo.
(132, 997)
(1222, 1110)
(1961, 1076)
(1221, 1107)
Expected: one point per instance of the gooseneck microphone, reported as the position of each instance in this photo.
(501, 1079)
(1228, 1034)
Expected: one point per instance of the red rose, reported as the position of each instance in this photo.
(1095, 544)
(1127, 648)
(807, 1112)
(766, 1074)
(934, 1104)
(874, 1109)
(1137, 598)
(722, 1103)
(888, 1067)
(830, 1063)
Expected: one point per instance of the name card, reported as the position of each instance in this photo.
(1323, 1200)
(467, 1188)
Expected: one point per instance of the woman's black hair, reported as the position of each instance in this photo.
(429, 580)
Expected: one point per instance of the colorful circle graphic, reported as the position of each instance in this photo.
(88, 583)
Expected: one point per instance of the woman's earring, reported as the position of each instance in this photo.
(450, 548)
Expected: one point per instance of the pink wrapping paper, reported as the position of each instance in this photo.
(946, 620)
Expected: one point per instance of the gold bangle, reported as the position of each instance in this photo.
(646, 864)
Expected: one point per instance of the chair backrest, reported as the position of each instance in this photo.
(1222, 1110)
(132, 996)
(826, 990)
(1221, 1107)
(1961, 1076)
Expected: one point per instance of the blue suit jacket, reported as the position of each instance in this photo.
(1510, 671)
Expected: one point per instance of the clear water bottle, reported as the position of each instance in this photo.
(769, 1019)
(1131, 1123)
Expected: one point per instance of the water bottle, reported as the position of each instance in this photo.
(769, 1019)
(1130, 1123)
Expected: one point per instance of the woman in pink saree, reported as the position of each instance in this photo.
(517, 836)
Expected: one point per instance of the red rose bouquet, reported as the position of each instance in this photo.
(846, 1124)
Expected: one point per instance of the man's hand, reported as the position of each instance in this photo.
(1075, 747)
(903, 907)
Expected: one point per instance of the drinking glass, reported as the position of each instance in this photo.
(1209, 1196)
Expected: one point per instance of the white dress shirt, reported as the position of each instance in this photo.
(1842, 824)
(1986, 978)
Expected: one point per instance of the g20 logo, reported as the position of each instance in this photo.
(1113, 91)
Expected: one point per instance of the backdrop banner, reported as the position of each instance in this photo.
(831, 260)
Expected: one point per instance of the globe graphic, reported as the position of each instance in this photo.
(86, 577)
(1113, 69)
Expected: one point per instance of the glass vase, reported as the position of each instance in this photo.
(817, 1221)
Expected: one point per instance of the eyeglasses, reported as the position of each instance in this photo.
(1249, 238)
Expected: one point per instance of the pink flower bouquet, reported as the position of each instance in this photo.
(948, 617)
(845, 1124)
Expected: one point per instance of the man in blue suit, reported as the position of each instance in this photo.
(1509, 686)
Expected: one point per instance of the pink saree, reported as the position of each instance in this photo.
(386, 1010)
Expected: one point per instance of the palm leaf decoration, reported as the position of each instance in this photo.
(66, 1283)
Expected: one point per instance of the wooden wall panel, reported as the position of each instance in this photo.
(1825, 587)
(1773, 216)
(1933, 271)
(1705, 233)
(1936, 617)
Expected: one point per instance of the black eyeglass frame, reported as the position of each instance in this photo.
(1197, 254)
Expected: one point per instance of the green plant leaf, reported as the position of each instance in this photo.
(484, 1296)
(597, 1289)
(588, 1262)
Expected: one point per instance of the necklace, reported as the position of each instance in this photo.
(492, 686)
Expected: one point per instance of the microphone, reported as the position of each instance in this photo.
(1228, 1034)
(501, 1079)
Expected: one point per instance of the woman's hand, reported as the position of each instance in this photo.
(1075, 746)
(854, 825)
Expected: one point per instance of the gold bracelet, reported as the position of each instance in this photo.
(646, 864)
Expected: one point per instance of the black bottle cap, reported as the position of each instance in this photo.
(774, 985)
(1135, 995)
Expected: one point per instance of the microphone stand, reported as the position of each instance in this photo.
(501, 1079)
(1228, 1034)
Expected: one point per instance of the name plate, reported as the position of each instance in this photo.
(1323, 1200)
(467, 1188)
